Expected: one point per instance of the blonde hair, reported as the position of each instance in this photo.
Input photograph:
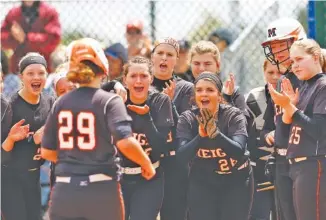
(203, 47)
(323, 59)
(83, 72)
(266, 61)
(311, 47)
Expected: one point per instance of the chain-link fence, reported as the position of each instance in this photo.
(192, 20)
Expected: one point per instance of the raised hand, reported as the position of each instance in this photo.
(140, 110)
(207, 124)
(289, 91)
(211, 126)
(17, 32)
(121, 91)
(229, 85)
(18, 131)
(169, 89)
(281, 99)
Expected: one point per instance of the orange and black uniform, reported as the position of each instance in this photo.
(80, 128)
(143, 198)
(221, 179)
(20, 177)
(175, 176)
(283, 182)
(307, 150)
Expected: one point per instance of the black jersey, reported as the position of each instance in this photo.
(160, 115)
(6, 122)
(312, 101)
(181, 102)
(6, 118)
(26, 154)
(182, 95)
(80, 126)
(273, 115)
(210, 159)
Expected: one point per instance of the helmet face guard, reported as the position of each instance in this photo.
(283, 29)
(271, 56)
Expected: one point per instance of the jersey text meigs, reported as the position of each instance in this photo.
(160, 116)
(210, 159)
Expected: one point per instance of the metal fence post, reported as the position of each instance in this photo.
(152, 19)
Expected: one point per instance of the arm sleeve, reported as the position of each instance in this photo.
(187, 140)
(234, 146)
(156, 136)
(236, 99)
(234, 141)
(7, 40)
(50, 37)
(185, 103)
(49, 139)
(187, 149)
(5, 156)
(314, 126)
(269, 124)
(115, 112)
(122, 130)
(157, 131)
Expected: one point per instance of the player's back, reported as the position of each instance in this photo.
(84, 139)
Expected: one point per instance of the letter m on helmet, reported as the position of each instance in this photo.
(271, 32)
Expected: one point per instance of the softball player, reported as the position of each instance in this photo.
(61, 85)
(164, 58)
(306, 113)
(257, 101)
(205, 56)
(152, 120)
(77, 137)
(280, 36)
(213, 140)
(9, 135)
(21, 192)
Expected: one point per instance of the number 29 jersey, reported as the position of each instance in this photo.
(80, 127)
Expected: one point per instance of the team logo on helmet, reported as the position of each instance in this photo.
(286, 30)
(272, 32)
